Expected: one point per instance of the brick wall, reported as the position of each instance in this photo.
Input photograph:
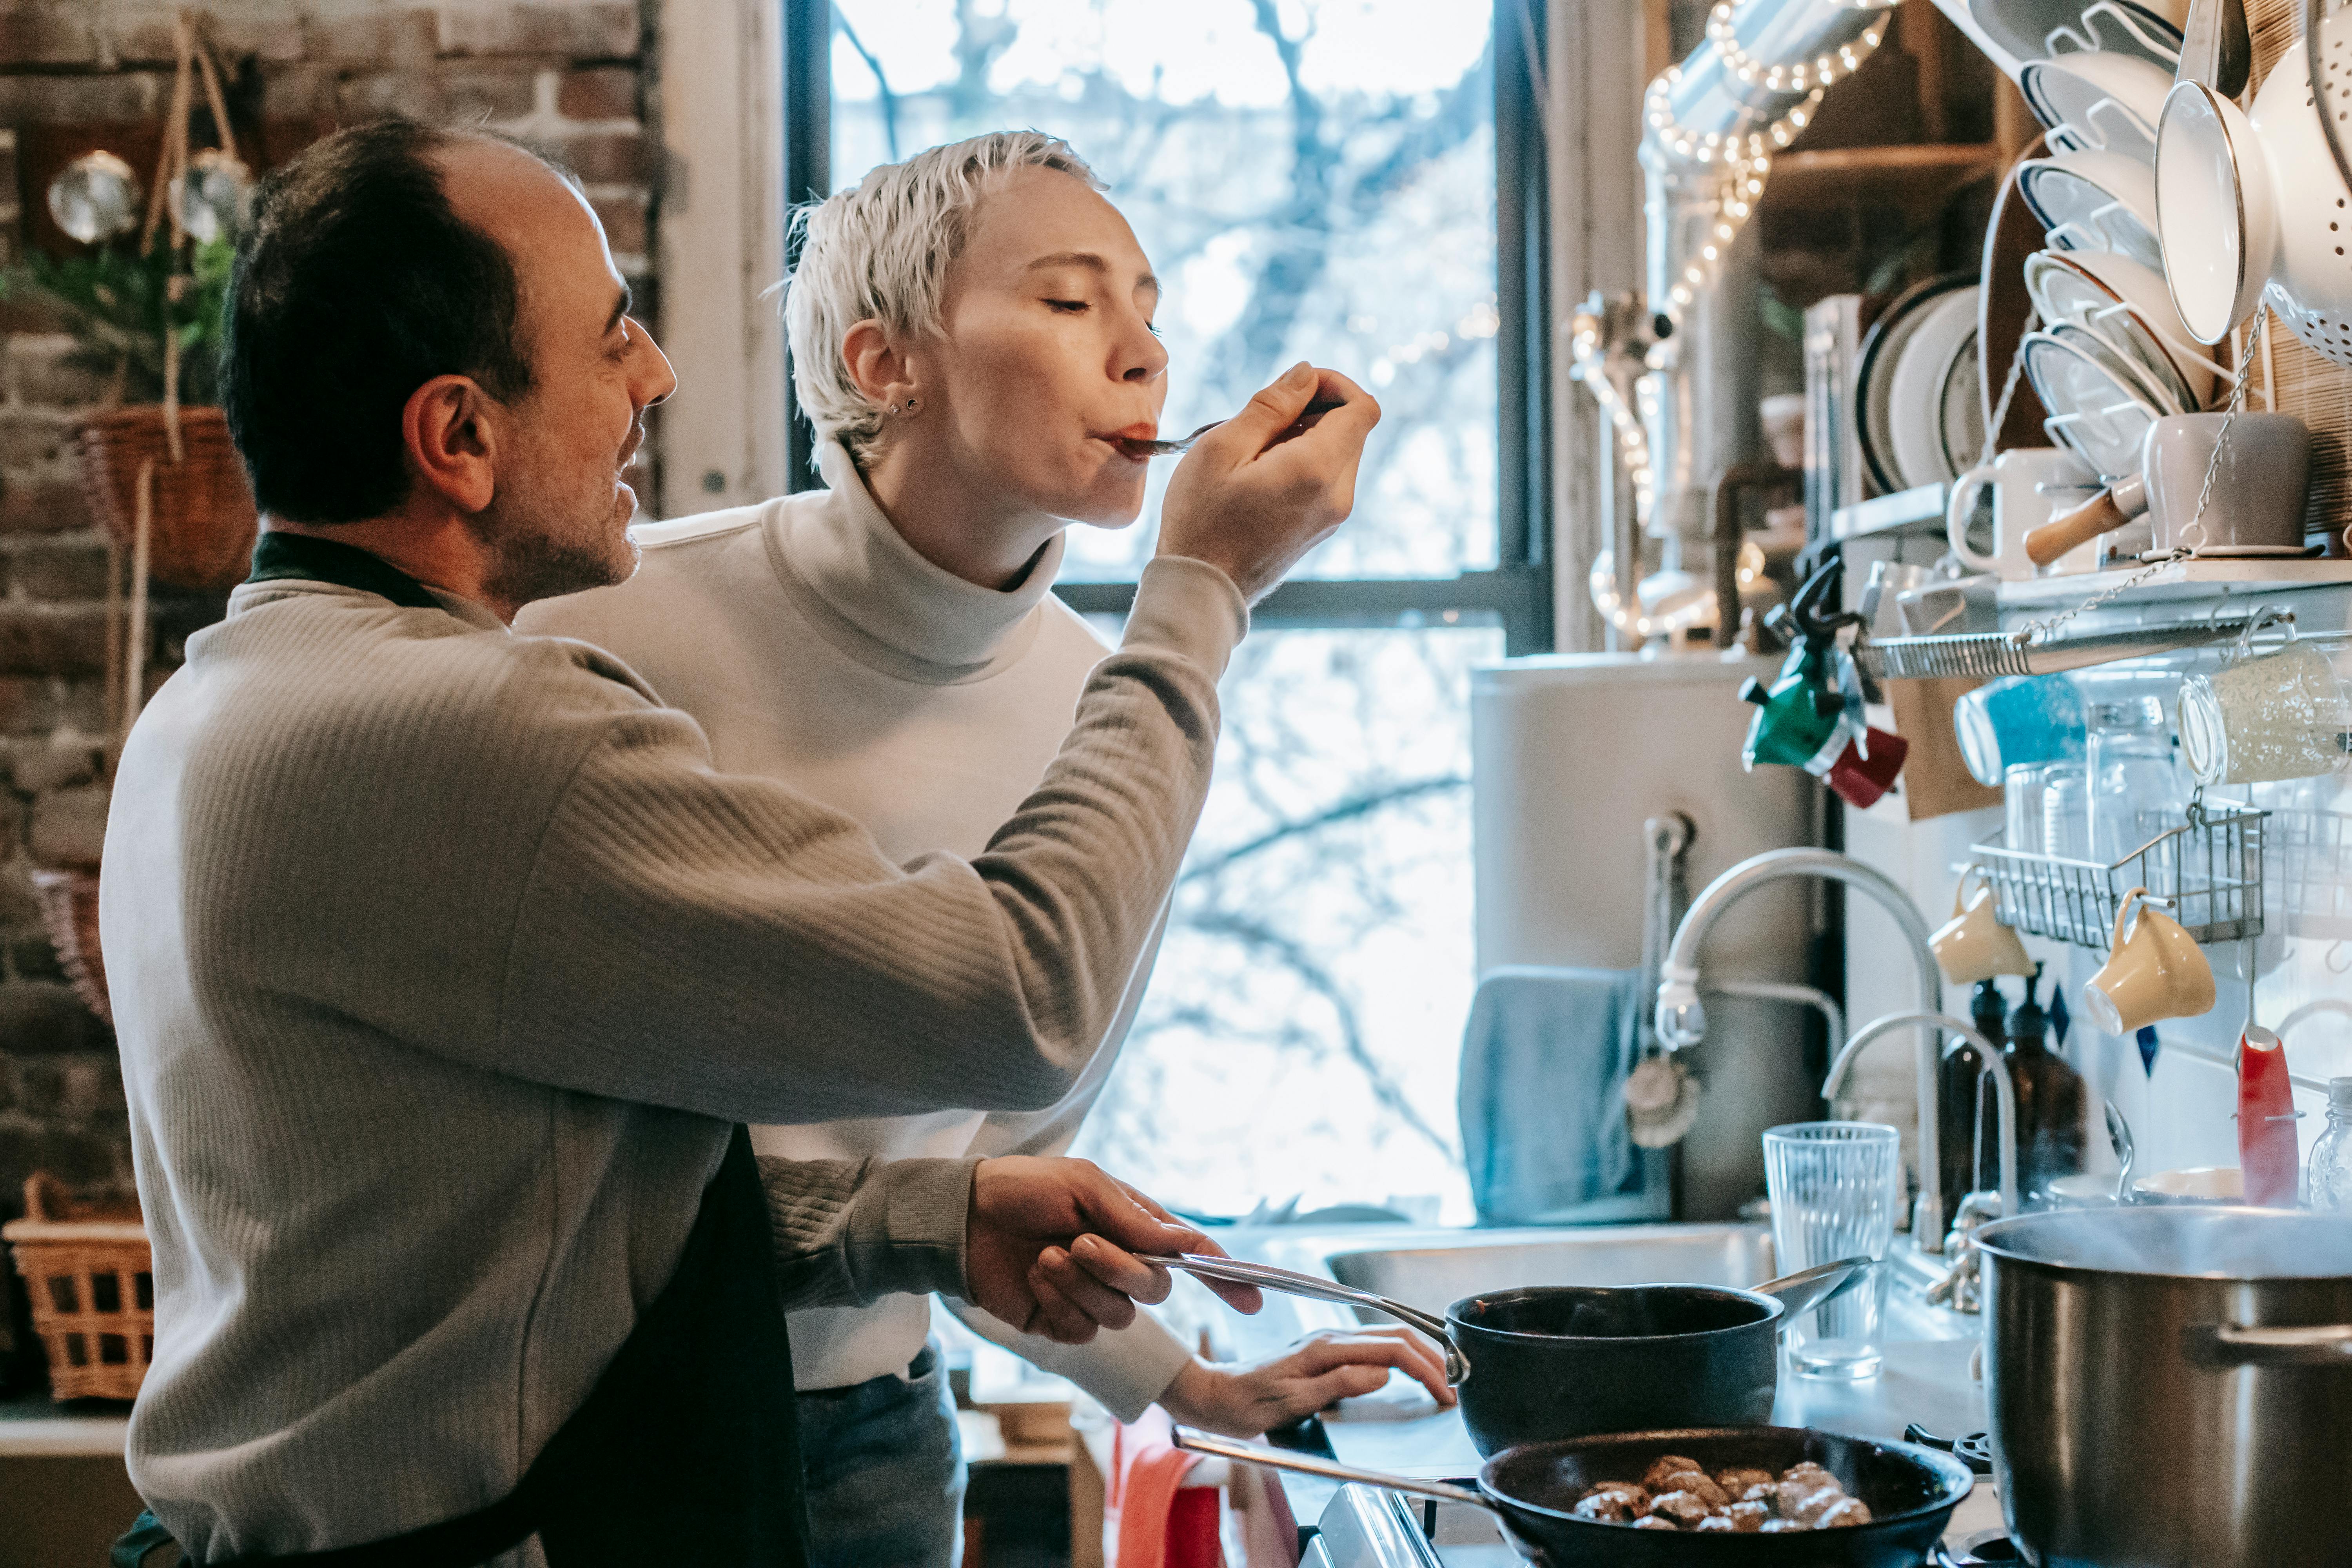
(571, 75)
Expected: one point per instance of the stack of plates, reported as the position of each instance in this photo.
(2110, 355)
(1922, 413)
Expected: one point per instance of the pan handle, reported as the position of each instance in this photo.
(1817, 1285)
(2237, 1344)
(1234, 1271)
(1307, 1465)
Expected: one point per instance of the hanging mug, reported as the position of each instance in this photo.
(1973, 945)
(2285, 715)
(2153, 972)
(2029, 484)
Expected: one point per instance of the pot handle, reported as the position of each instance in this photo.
(2239, 1344)
(1234, 1271)
(1194, 1442)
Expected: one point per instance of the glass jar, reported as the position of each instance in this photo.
(2329, 1181)
(2138, 789)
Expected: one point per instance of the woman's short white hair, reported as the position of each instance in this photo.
(882, 249)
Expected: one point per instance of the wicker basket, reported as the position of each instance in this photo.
(89, 1273)
(203, 526)
(69, 908)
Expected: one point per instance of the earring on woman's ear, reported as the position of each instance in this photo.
(910, 405)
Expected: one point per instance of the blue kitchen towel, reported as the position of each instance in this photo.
(1544, 1060)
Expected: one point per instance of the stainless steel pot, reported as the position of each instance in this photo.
(2171, 1388)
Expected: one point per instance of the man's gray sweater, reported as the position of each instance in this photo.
(442, 962)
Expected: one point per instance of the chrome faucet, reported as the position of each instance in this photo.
(1682, 1021)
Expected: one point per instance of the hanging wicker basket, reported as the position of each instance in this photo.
(205, 522)
(69, 910)
(91, 1273)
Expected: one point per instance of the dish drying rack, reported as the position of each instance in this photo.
(2208, 872)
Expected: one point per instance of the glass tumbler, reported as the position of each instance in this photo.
(1836, 1188)
(2065, 811)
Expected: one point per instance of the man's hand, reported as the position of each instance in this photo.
(1027, 1216)
(1254, 495)
(1245, 1399)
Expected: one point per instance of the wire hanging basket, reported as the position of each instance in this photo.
(2208, 872)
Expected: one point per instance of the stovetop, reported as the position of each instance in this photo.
(1364, 1528)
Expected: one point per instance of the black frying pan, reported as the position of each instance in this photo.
(1530, 1489)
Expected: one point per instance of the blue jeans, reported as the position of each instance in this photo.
(884, 1470)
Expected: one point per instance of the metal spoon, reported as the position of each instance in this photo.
(1136, 446)
(2119, 1135)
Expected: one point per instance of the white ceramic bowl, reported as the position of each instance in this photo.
(2098, 415)
(2193, 1184)
(2095, 201)
(2103, 99)
(2216, 209)
(2127, 304)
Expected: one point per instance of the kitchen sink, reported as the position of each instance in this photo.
(1452, 1265)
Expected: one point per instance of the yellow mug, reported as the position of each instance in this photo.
(1973, 945)
(2154, 971)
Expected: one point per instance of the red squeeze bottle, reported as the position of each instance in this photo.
(2266, 1141)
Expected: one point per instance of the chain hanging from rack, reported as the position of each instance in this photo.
(2044, 630)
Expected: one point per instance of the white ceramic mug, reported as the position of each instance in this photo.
(2030, 486)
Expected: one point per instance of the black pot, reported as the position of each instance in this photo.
(1559, 1362)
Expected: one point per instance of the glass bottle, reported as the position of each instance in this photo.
(2051, 1100)
(2330, 1180)
(1956, 1096)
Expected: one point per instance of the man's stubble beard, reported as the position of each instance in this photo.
(543, 544)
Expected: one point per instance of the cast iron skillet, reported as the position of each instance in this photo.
(1910, 1490)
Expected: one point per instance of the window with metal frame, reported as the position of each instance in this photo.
(1359, 183)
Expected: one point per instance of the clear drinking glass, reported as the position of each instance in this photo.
(2065, 811)
(1836, 1188)
(2022, 802)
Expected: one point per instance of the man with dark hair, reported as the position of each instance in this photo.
(445, 968)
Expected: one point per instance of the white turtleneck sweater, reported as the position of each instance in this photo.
(815, 646)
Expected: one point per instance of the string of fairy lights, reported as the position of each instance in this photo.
(1744, 156)
(1744, 159)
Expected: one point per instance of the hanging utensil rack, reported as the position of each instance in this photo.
(1988, 656)
(2208, 872)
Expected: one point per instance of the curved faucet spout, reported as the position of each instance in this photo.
(2004, 1091)
(1682, 1021)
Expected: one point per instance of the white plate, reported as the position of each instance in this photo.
(2125, 303)
(2093, 412)
(2101, 99)
(1882, 351)
(1957, 396)
(2036, 29)
(1914, 401)
(2127, 372)
(2095, 201)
